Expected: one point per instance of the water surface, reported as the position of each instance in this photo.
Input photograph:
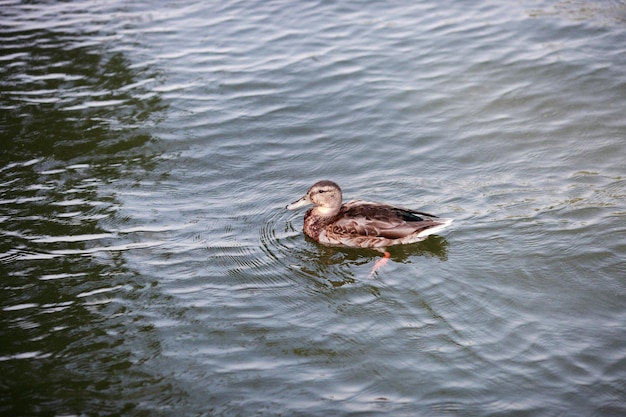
(148, 264)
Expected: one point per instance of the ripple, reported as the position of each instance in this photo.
(26, 355)
(20, 307)
(76, 238)
(280, 241)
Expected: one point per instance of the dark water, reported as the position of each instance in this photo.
(148, 266)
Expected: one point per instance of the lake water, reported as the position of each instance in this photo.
(148, 264)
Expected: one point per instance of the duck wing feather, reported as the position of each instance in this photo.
(362, 218)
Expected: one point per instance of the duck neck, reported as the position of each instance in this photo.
(326, 211)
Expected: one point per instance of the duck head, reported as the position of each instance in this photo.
(324, 195)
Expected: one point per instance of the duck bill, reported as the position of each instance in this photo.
(300, 203)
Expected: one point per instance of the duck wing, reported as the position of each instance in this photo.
(362, 218)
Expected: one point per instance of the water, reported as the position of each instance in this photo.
(148, 264)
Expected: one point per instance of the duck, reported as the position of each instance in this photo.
(362, 224)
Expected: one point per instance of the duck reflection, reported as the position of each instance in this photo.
(337, 265)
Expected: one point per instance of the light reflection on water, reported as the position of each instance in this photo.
(149, 264)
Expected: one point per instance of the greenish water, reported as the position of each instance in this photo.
(147, 264)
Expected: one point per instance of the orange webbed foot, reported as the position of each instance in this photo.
(380, 263)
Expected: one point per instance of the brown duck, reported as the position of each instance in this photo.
(362, 224)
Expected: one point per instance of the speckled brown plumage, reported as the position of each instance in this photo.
(360, 223)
